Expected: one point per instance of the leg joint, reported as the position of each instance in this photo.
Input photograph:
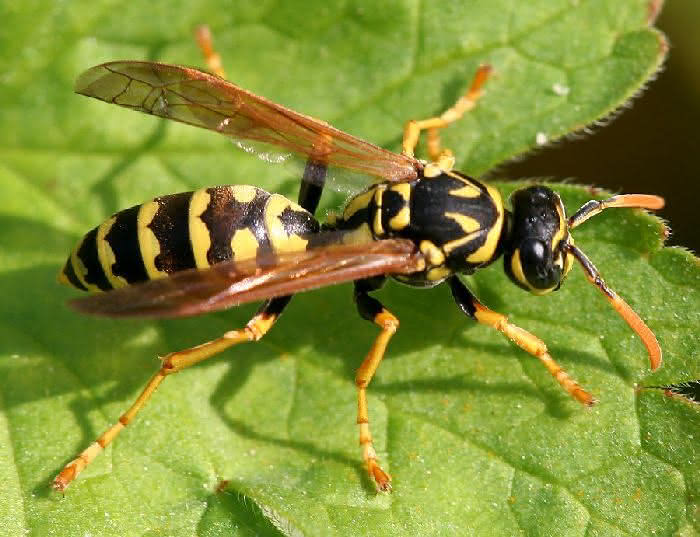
(387, 321)
(167, 367)
(253, 332)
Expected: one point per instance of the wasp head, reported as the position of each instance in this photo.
(537, 256)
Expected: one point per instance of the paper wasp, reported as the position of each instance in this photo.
(420, 222)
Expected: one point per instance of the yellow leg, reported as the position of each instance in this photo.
(413, 128)
(256, 328)
(534, 346)
(530, 343)
(204, 40)
(389, 324)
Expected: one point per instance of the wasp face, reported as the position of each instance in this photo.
(537, 256)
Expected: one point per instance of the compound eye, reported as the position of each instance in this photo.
(538, 265)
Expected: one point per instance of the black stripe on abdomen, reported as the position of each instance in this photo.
(122, 238)
(69, 272)
(171, 229)
(87, 253)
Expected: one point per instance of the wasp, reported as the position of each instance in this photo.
(420, 222)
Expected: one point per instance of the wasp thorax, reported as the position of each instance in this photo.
(536, 257)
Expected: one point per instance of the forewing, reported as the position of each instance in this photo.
(191, 96)
(228, 284)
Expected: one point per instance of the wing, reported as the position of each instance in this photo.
(191, 96)
(221, 286)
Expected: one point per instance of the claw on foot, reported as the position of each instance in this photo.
(381, 478)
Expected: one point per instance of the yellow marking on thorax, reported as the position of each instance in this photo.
(280, 241)
(467, 223)
(469, 190)
(80, 269)
(455, 175)
(148, 243)
(469, 226)
(432, 253)
(432, 170)
(244, 245)
(486, 251)
(438, 273)
(452, 245)
(359, 202)
(244, 193)
(200, 239)
(106, 254)
(401, 219)
(377, 224)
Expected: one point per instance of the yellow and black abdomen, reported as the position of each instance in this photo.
(184, 231)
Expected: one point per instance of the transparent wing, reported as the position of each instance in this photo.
(344, 180)
(197, 98)
(228, 284)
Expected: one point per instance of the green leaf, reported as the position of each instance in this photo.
(262, 440)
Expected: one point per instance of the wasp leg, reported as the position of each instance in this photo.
(315, 172)
(256, 328)
(312, 185)
(530, 343)
(213, 59)
(413, 128)
(372, 310)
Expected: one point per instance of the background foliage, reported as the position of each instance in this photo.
(262, 441)
(651, 146)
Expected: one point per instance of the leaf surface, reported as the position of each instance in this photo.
(262, 440)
